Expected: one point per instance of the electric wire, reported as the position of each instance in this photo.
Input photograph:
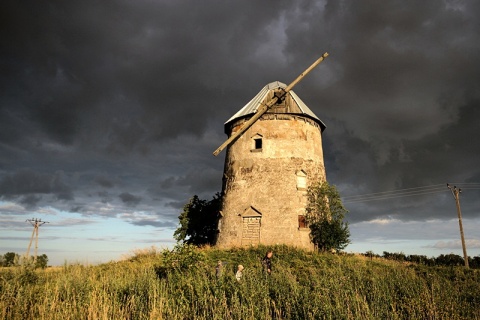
(408, 191)
(417, 191)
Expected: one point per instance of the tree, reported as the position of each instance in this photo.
(10, 259)
(198, 221)
(42, 261)
(449, 260)
(325, 215)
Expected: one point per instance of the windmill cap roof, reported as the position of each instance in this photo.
(252, 106)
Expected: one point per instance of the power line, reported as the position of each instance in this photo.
(392, 196)
(417, 191)
(440, 188)
(401, 190)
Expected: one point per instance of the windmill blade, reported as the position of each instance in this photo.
(264, 107)
(307, 71)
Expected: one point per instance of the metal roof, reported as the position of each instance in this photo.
(252, 106)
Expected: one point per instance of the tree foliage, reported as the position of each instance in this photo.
(198, 221)
(42, 261)
(10, 259)
(325, 215)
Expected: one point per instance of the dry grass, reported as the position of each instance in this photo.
(181, 284)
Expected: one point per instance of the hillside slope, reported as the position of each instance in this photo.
(182, 284)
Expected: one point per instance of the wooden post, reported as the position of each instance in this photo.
(456, 195)
(36, 223)
(30, 244)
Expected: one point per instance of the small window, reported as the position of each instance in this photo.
(258, 143)
(302, 222)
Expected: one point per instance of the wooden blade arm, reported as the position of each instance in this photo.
(307, 71)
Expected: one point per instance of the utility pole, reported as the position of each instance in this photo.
(456, 195)
(36, 223)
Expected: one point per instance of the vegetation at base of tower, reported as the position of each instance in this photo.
(198, 221)
(325, 215)
(180, 283)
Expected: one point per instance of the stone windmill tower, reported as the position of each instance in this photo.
(274, 152)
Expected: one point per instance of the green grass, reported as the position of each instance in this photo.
(181, 284)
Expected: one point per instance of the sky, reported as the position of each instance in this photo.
(110, 112)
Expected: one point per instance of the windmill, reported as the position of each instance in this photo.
(36, 223)
(273, 153)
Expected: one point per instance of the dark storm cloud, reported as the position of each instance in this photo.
(121, 73)
(104, 181)
(117, 106)
(401, 69)
(195, 181)
(130, 199)
(29, 186)
(30, 201)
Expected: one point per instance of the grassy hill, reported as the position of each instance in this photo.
(181, 284)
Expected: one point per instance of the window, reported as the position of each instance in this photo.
(302, 222)
(258, 143)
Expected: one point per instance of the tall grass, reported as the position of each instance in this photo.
(181, 284)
